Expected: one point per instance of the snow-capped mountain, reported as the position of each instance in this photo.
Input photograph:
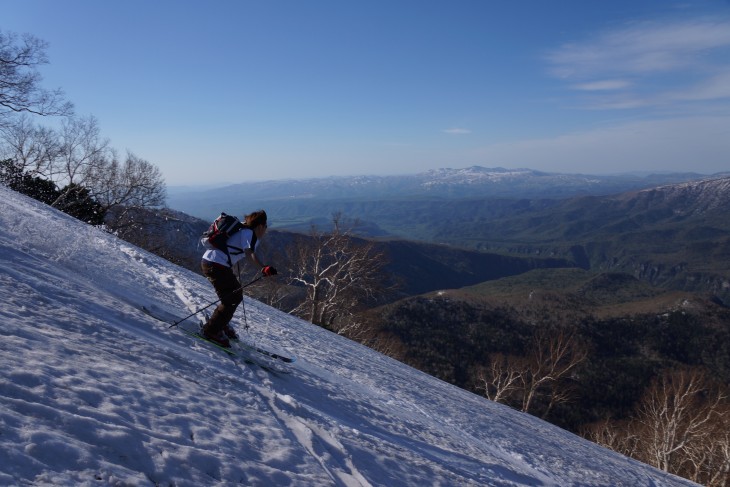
(94, 391)
(483, 175)
(692, 197)
(438, 184)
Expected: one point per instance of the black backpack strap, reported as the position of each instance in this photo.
(233, 250)
(236, 250)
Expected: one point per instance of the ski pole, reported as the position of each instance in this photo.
(214, 302)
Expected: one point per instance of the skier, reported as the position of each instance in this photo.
(218, 265)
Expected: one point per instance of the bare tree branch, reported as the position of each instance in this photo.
(682, 426)
(676, 413)
(553, 357)
(20, 90)
(34, 149)
(503, 378)
(339, 274)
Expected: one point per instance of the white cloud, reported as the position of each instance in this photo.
(641, 48)
(457, 131)
(648, 64)
(605, 85)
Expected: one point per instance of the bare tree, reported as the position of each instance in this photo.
(678, 413)
(272, 292)
(554, 355)
(714, 458)
(20, 90)
(339, 274)
(551, 358)
(681, 425)
(82, 151)
(130, 186)
(503, 378)
(86, 159)
(84, 167)
(31, 147)
(707, 457)
(76, 158)
(620, 436)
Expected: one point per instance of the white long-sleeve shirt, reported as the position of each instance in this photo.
(241, 240)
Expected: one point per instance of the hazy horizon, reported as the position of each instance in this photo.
(213, 185)
(234, 91)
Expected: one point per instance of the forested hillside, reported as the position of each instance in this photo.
(591, 353)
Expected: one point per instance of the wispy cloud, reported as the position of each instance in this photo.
(648, 63)
(457, 131)
(642, 48)
(710, 88)
(701, 143)
(605, 85)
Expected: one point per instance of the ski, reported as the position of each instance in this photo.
(211, 342)
(273, 355)
(241, 345)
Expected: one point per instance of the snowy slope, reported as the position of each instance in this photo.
(95, 392)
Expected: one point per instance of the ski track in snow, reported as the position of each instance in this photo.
(96, 392)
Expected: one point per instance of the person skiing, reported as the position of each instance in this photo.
(217, 266)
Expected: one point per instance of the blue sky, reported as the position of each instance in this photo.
(248, 90)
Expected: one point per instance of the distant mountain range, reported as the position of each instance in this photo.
(671, 230)
(676, 236)
(471, 182)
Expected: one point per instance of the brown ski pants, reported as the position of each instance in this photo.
(228, 290)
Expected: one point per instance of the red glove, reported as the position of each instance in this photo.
(268, 271)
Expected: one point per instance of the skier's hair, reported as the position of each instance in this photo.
(255, 219)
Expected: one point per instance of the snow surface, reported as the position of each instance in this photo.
(93, 391)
